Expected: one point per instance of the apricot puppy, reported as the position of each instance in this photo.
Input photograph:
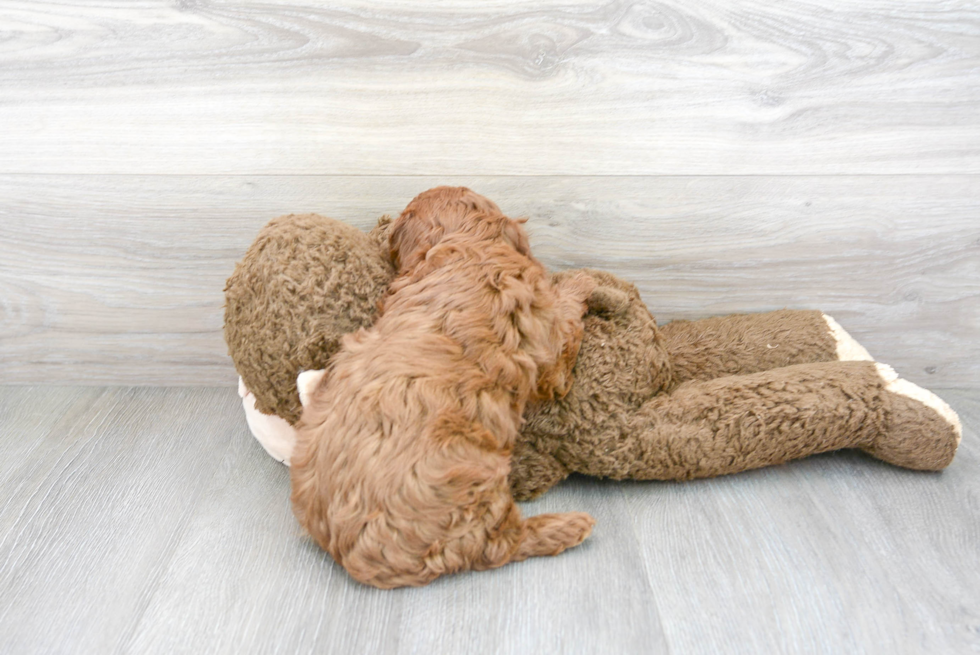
(403, 449)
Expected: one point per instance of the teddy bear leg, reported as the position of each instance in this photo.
(750, 343)
(731, 424)
(846, 347)
(923, 432)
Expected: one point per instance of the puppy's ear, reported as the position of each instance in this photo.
(410, 239)
(515, 235)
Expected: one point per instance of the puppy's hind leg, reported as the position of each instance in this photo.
(465, 480)
(538, 536)
(514, 539)
(550, 534)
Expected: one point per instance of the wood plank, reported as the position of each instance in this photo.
(244, 579)
(91, 515)
(118, 279)
(151, 522)
(594, 598)
(27, 414)
(467, 87)
(836, 553)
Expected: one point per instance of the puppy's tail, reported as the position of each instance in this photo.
(550, 534)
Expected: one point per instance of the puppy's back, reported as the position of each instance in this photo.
(401, 465)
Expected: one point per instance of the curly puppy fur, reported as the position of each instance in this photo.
(404, 445)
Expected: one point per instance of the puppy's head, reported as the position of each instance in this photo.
(437, 213)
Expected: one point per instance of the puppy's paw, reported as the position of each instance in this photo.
(551, 534)
(578, 527)
(609, 301)
(578, 286)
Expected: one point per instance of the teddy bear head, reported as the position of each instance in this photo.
(305, 282)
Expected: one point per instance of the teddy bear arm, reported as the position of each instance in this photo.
(715, 427)
(749, 343)
(533, 471)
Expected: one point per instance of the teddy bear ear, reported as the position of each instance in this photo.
(307, 383)
(379, 234)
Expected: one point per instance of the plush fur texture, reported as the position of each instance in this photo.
(696, 399)
(305, 283)
(687, 399)
(404, 445)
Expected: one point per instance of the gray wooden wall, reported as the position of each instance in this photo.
(726, 156)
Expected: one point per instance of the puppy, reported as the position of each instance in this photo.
(403, 449)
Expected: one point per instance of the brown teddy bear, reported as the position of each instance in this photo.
(688, 399)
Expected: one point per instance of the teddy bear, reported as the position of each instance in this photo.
(683, 400)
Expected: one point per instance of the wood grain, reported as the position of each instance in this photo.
(836, 553)
(93, 512)
(149, 521)
(476, 88)
(21, 412)
(726, 156)
(243, 565)
(118, 279)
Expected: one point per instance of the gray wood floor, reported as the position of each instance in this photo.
(727, 156)
(138, 520)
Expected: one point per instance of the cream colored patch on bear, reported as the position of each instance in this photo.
(274, 434)
(848, 350)
(911, 390)
(306, 383)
